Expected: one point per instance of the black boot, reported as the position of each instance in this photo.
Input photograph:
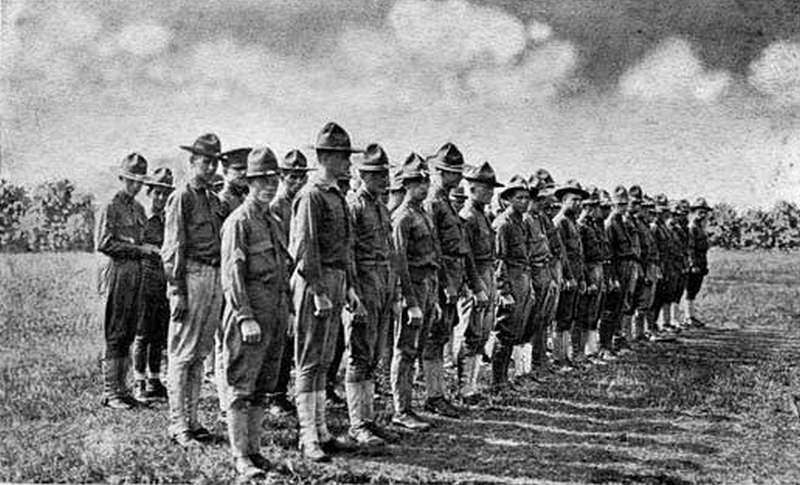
(501, 357)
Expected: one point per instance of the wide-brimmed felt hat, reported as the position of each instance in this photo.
(262, 162)
(395, 179)
(294, 160)
(207, 145)
(543, 175)
(161, 177)
(684, 206)
(484, 173)
(414, 168)
(517, 182)
(648, 202)
(620, 195)
(448, 158)
(700, 203)
(236, 158)
(661, 203)
(133, 167)
(635, 193)
(458, 192)
(605, 199)
(333, 138)
(594, 196)
(374, 159)
(570, 187)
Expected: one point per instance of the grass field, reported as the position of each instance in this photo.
(709, 408)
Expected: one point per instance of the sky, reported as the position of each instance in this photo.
(685, 97)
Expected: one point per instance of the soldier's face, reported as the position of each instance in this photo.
(376, 182)
(264, 188)
(520, 200)
(132, 187)
(337, 162)
(203, 167)
(294, 180)
(634, 207)
(158, 197)
(418, 190)
(235, 175)
(449, 179)
(481, 192)
(571, 203)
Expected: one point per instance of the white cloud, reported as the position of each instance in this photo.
(539, 32)
(143, 39)
(776, 72)
(673, 72)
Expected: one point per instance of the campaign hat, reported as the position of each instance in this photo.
(571, 187)
(661, 203)
(294, 160)
(648, 202)
(484, 173)
(414, 168)
(448, 158)
(395, 179)
(161, 177)
(374, 159)
(517, 182)
(458, 193)
(207, 145)
(333, 138)
(236, 158)
(261, 162)
(133, 167)
(620, 195)
(605, 198)
(635, 193)
(594, 196)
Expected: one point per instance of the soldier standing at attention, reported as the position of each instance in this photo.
(151, 332)
(679, 226)
(611, 295)
(458, 197)
(294, 175)
(365, 335)
(475, 319)
(191, 255)
(588, 307)
(119, 237)
(321, 245)
(649, 260)
(512, 244)
(417, 249)
(698, 262)
(456, 267)
(664, 242)
(570, 195)
(255, 283)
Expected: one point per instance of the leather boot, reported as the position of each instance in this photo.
(501, 355)
(358, 407)
(255, 420)
(465, 378)
(111, 385)
(327, 441)
(309, 438)
(238, 435)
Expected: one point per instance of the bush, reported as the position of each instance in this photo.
(777, 228)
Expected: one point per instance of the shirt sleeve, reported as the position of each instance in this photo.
(501, 248)
(400, 237)
(108, 240)
(474, 281)
(234, 270)
(173, 253)
(304, 242)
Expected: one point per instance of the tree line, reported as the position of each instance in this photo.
(54, 216)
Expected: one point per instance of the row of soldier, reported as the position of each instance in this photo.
(419, 256)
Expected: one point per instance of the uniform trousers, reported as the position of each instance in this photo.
(120, 284)
(475, 323)
(545, 289)
(587, 314)
(365, 336)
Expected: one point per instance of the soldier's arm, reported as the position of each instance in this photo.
(234, 270)
(173, 252)
(108, 240)
(470, 232)
(400, 237)
(304, 242)
(565, 262)
(501, 249)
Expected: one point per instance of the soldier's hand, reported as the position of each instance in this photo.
(251, 331)
(506, 300)
(481, 300)
(582, 287)
(437, 312)
(179, 308)
(450, 296)
(571, 284)
(322, 306)
(592, 289)
(354, 304)
(414, 314)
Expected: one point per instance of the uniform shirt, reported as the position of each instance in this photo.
(620, 241)
(681, 241)
(573, 245)
(512, 244)
(557, 246)
(320, 235)
(231, 198)
(120, 228)
(593, 245)
(253, 258)
(540, 245)
(698, 246)
(155, 283)
(417, 246)
(633, 235)
(372, 228)
(281, 207)
(191, 231)
(450, 230)
(664, 243)
(649, 250)
(479, 232)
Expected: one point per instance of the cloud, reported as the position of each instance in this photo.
(776, 73)
(144, 38)
(673, 72)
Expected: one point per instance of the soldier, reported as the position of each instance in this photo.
(458, 197)
(417, 247)
(664, 241)
(456, 267)
(679, 226)
(542, 278)
(625, 269)
(217, 183)
(119, 237)
(570, 195)
(594, 254)
(151, 332)
(611, 295)
(321, 245)
(512, 244)
(476, 320)
(255, 283)
(191, 255)
(649, 261)
(698, 262)
(397, 191)
(365, 336)
(294, 175)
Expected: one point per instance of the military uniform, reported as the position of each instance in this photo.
(665, 244)
(191, 255)
(698, 261)
(119, 236)
(589, 304)
(681, 240)
(544, 285)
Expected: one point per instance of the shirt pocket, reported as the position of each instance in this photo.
(262, 261)
(202, 226)
(421, 241)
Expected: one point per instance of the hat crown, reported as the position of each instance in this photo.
(700, 203)
(133, 164)
(208, 142)
(396, 179)
(414, 166)
(684, 205)
(635, 192)
(374, 158)
(448, 157)
(236, 157)
(543, 175)
(162, 176)
(516, 182)
(620, 194)
(333, 137)
(261, 161)
(482, 173)
(294, 160)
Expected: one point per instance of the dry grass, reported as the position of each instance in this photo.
(709, 408)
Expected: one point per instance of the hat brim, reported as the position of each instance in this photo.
(494, 183)
(447, 168)
(133, 176)
(700, 208)
(504, 194)
(335, 149)
(296, 169)
(373, 168)
(160, 185)
(191, 149)
(559, 193)
(266, 173)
